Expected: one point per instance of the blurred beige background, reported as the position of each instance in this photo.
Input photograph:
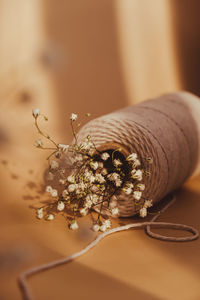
(90, 56)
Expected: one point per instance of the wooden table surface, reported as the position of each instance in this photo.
(127, 265)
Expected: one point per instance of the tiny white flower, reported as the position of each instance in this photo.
(71, 178)
(96, 227)
(40, 216)
(115, 211)
(103, 227)
(78, 157)
(50, 217)
(143, 212)
(94, 188)
(54, 164)
(86, 145)
(36, 112)
(118, 182)
(63, 147)
(117, 163)
(38, 143)
(127, 190)
(94, 165)
(48, 189)
(107, 223)
(40, 210)
(73, 117)
(82, 186)
(91, 151)
(71, 188)
(136, 163)
(100, 165)
(78, 191)
(74, 225)
(83, 211)
(54, 193)
(94, 198)
(87, 174)
(40, 213)
(148, 203)
(100, 178)
(49, 176)
(105, 156)
(129, 185)
(137, 195)
(61, 205)
(65, 193)
(62, 171)
(113, 176)
(132, 157)
(88, 202)
(62, 181)
(136, 174)
(141, 186)
(104, 171)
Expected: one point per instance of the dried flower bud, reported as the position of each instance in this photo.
(38, 143)
(107, 223)
(104, 171)
(103, 228)
(74, 225)
(132, 157)
(63, 147)
(62, 181)
(137, 195)
(94, 165)
(71, 178)
(83, 211)
(136, 163)
(117, 163)
(50, 217)
(127, 190)
(54, 165)
(60, 205)
(136, 174)
(54, 193)
(105, 155)
(71, 188)
(148, 203)
(65, 193)
(96, 227)
(141, 186)
(118, 182)
(114, 211)
(40, 213)
(49, 176)
(73, 117)
(36, 112)
(143, 212)
(100, 178)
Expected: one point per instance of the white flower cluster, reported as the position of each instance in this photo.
(95, 177)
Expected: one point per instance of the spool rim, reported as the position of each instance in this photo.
(113, 146)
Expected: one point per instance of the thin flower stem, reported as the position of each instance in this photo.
(46, 148)
(44, 134)
(51, 154)
(73, 131)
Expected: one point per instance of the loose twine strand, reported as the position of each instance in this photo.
(26, 292)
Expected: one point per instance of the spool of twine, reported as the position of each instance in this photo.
(165, 129)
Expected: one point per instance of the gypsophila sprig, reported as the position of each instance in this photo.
(89, 179)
